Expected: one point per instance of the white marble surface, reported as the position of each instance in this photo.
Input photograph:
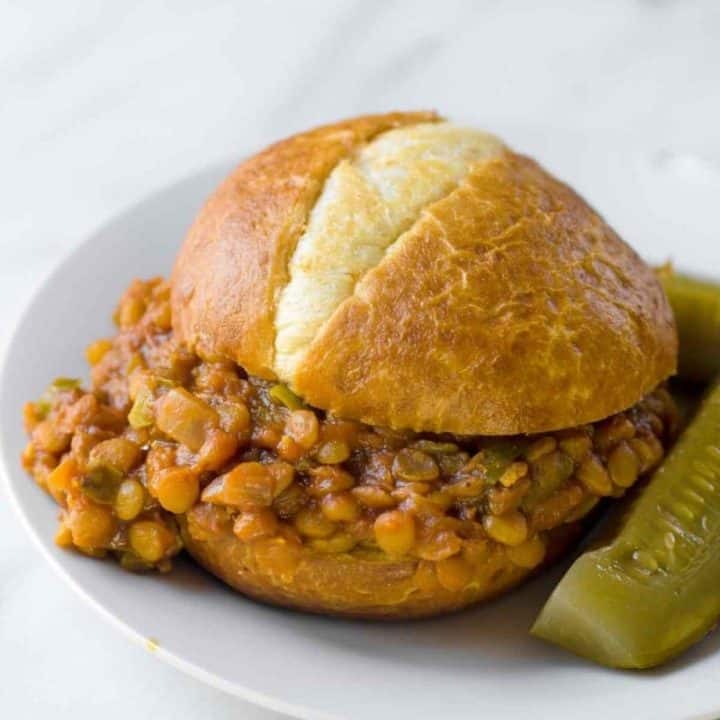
(103, 102)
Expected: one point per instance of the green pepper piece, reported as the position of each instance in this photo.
(696, 305)
(549, 473)
(650, 588)
(496, 457)
(44, 404)
(141, 413)
(65, 383)
(285, 396)
(101, 484)
(43, 407)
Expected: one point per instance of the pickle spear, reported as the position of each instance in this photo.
(652, 588)
(696, 305)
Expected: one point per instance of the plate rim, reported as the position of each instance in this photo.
(25, 315)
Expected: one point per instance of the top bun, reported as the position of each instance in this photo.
(406, 272)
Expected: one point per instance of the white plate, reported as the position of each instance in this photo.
(480, 663)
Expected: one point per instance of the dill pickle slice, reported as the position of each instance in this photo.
(651, 587)
(696, 305)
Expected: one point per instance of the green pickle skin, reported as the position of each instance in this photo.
(696, 306)
(652, 588)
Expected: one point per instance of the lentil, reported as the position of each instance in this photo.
(540, 447)
(623, 465)
(130, 500)
(92, 526)
(593, 475)
(414, 465)
(611, 431)
(439, 546)
(340, 507)
(395, 532)
(338, 543)
(516, 471)
(149, 539)
(528, 554)
(576, 445)
(176, 489)
(453, 573)
(95, 351)
(333, 452)
(312, 523)
(553, 511)
(509, 529)
(59, 481)
(118, 453)
(373, 497)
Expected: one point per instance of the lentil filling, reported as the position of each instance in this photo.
(163, 432)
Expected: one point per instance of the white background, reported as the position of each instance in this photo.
(104, 102)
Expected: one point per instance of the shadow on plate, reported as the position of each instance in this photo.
(497, 631)
(494, 631)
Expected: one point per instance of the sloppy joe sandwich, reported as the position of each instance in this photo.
(395, 366)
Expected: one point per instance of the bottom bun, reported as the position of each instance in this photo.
(363, 584)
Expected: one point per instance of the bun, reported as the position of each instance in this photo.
(407, 273)
(372, 586)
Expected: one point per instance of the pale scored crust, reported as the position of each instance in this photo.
(368, 201)
(420, 275)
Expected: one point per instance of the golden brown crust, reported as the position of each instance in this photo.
(509, 306)
(351, 585)
(235, 257)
